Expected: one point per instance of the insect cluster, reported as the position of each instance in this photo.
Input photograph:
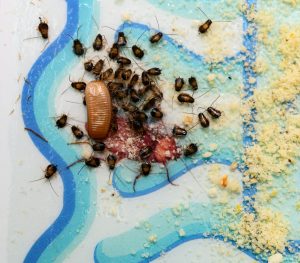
(132, 102)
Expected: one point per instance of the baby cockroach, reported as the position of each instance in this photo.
(92, 162)
(98, 146)
(185, 98)
(179, 82)
(145, 152)
(111, 161)
(214, 112)
(121, 39)
(98, 67)
(178, 131)
(203, 120)
(88, 65)
(156, 37)
(99, 110)
(134, 97)
(98, 42)
(77, 132)
(129, 107)
(107, 74)
(205, 26)
(140, 116)
(114, 51)
(61, 122)
(155, 90)
(154, 71)
(137, 51)
(78, 47)
(133, 81)
(149, 104)
(145, 78)
(119, 71)
(123, 61)
(190, 149)
(50, 171)
(193, 83)
(78, 85)
(114, 86)
(145, 171)
(156, 113)
(126, 74)
(43, 29)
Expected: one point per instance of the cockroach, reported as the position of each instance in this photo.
(50, 171)
(114, 51)
(185, 98)
(120, 93)
(214, 112)
(193, 83)
(149, 104)
(137, 51)
(142, 91)
(145, 78)
(134, 97)
(145, 171)
(154, 71)
(77, 132)
(140, 116)
(190, 149)
(155, 90)
(129, 107)
(106, 74)
(98, 146)
(111, 161)
(77, 85)
(78, 47)
(88, 65)
(99, 110)
(205, 26)
(133, 81)
(61, 122)
(118, 72)
(156, 37)
(156, 113)
(126, 74)
(179, 82)
(121, 39)
(123, 61)
(203, 120)
(145, 152)
(114, 86)
(98, 67)
(92, 162)
(178, 131)
(98, 42)
(43, 29)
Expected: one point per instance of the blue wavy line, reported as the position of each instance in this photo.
(29, 120)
